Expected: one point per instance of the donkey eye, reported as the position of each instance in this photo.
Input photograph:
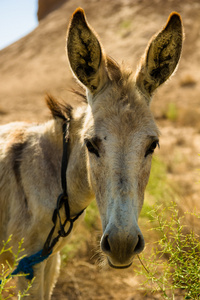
(152, 148)
(91, 148)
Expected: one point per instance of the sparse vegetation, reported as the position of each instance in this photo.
(158, 188)
(125, 28)
(92, 215)
(172, 112)
(125, 24)
(173, 268)
(85, 238)
(6, 287)
(157, 180)
(75, 245)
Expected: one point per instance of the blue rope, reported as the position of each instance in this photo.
(26, 264)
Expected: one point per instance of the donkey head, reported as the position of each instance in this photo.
(119, 132)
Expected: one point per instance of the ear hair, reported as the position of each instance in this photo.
(85, 52)
(162, 56)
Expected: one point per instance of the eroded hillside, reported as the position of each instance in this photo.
(37, 64)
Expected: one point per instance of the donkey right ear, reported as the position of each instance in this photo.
(162, 56)
(85, 53)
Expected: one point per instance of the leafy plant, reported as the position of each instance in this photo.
(6, 270)
(173, 268)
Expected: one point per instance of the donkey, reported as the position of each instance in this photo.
(111, 141)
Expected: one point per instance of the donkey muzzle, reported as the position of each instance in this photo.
(121, 246)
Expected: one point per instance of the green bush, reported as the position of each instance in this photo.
(5, 274)
(173, 268)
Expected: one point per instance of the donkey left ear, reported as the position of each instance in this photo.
(162, 56)
(85, 53)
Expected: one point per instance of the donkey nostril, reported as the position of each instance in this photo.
(140, 245)
(105, 246)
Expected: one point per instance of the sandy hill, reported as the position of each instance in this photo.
(37, 64)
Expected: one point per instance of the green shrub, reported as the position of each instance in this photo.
(173, 268)
(5, 274)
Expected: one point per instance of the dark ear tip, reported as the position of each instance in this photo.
(79, 13)
(175, 19)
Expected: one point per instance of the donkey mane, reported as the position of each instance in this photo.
(58, 109)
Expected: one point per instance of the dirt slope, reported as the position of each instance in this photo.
(45, 7)
(37, 64)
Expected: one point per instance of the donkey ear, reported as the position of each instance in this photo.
(162, 56)
(85, 53)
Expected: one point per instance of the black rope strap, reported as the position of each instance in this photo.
(62, 200)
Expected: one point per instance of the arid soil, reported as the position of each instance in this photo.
(37, 64)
